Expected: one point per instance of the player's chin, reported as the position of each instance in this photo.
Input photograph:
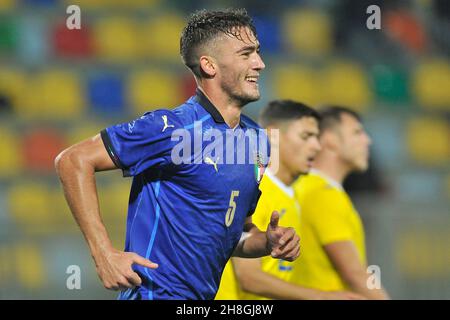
(252, 95)
(362, 166)
(304, 169)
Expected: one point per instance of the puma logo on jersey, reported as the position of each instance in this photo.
(208, 160)
(166, 125)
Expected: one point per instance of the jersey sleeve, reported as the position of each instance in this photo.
(261, 215)
(328, 214)
(142, 143)
(254, 203)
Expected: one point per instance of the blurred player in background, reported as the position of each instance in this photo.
(188, 217)
(263, 278)
(334, 254)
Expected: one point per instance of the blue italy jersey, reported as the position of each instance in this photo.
(190, 195)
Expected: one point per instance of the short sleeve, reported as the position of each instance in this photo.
(142, 143)
(262, 214)
(328, 216)
(254, 203)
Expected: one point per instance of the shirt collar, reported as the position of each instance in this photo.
(287, 189)
(330, 180)
(203, 100)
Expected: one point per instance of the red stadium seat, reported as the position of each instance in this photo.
(72, 43)
(40, 147)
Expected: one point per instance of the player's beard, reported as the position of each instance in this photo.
(238, 95)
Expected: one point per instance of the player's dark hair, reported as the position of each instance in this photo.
(331, 116)
(203, 26)
(279, 111)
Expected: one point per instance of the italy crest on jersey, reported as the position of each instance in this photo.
(259, 168)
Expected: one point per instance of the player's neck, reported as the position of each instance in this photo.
(331, 167)
(230, 110)
(283, 174)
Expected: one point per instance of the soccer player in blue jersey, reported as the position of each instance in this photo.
(185, 218)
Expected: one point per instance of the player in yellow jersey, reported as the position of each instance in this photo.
(333, 248)
(298, 144)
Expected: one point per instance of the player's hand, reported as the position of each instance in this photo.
(340, 295)
(114, 269)
(283, 243)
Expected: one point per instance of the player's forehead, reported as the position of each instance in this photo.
(306, 124)
(350, 122)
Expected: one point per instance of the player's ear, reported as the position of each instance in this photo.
(208, 66)
(329, 140)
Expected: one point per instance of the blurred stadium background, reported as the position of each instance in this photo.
(58, 86)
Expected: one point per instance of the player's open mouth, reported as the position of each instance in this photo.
(252, 79)
(310, 161)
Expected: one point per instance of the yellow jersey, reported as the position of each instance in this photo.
(276, 196)
(328, 216)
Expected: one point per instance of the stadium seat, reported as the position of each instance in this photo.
(61, 221)
(11, 161)
(7, 5)
(30, 266)
(30, 207)
(12, 86)
(108, 5)
(406, 29)
(54, 95)
(296, 82)
(33, 48)
(423, 253)
(428, 141)
(84, 131)
(430, 84)
(132, 5)
(72, 43)
(153, 89)
(390, 85)
(345, 83)
(447, 185)
(40, 148)
(161, 37)
(8, 35)
(42, 3)
(117, 40)
(106, 94)
(87, 4)
(269, 33)
(308, 32)
(188, 86)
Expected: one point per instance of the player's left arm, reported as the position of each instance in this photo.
(344, 256)
(279, 242)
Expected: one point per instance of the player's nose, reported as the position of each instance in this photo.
(259, 63)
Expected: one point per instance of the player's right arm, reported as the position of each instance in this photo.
(253, 279)
(76, 167)
(344, 256)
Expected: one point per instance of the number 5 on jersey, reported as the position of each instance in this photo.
(231, 208)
